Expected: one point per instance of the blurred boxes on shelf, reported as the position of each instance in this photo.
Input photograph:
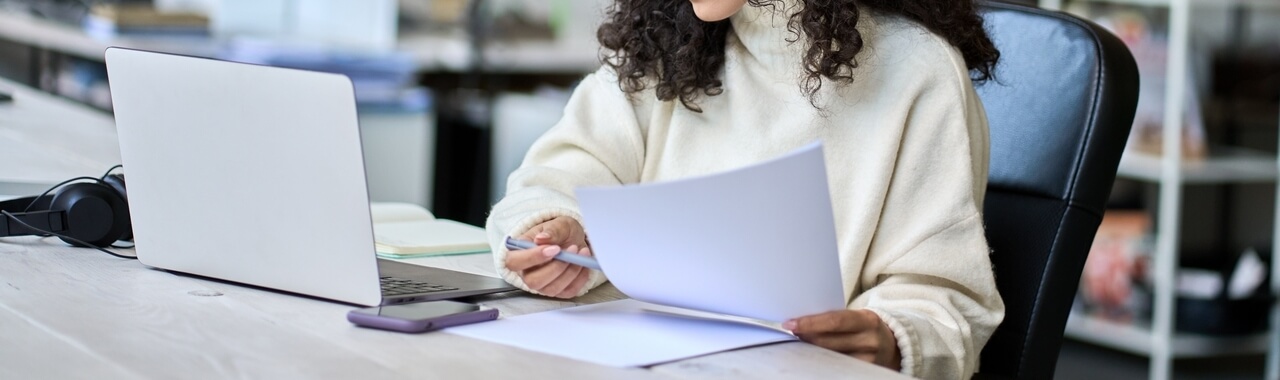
(141, 20)
(1224, 300)
(384, 82)
(1116, 264)
(1210, 298)
(363, 25)
(1150, 47)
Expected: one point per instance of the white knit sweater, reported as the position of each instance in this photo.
(906, 153)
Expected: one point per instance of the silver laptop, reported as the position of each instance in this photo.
(255, 174)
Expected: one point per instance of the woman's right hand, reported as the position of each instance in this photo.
(536, 267)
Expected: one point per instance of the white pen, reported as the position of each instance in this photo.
(565, 256)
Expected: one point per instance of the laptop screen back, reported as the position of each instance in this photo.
(247, 173)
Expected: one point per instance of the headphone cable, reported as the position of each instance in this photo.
(33, 228)
(113, 168)
(60, 184)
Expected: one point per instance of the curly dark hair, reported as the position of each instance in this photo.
(665, 40)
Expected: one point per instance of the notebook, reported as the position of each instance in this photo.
(406, 230)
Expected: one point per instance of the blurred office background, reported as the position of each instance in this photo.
(452, 92)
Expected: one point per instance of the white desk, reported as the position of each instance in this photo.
(75, 313)
(45, 140)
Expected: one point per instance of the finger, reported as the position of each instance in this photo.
(557, 284)
(833, 321)
(576, 286)
(539, 233)
(543, 238)
(844, 343)
(869, 357)
(561, 282)
(580, 280)
(532, 233)
(539, 277)
(524, 259)
(554, 231)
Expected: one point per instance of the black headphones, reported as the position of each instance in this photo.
(95, 212)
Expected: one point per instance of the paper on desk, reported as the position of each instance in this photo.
(757, 242)
(621, 333)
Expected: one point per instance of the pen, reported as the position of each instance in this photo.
(568, 257)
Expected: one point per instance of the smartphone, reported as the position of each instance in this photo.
(421, 316)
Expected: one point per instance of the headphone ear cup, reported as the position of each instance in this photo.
(116, 181)
(95, 213)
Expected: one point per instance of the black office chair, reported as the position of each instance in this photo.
(1060, 110)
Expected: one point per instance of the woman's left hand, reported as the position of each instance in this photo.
(857, 333)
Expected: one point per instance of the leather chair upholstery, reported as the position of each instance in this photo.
(1060, 111)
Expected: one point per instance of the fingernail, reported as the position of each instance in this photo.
(789, 325)
(551, 251)
(543, 235)
(573, 248)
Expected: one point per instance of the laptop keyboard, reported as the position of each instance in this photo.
(393, 286)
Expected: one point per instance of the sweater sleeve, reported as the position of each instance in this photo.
(597, 142)
(928, 273)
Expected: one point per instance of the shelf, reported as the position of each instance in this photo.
(452, 52)
(430, 52)
(1136, 339)
(67, 39)
(1255, 4)
(1225, 165)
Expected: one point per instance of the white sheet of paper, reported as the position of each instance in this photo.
(756, 242)
(620, 333)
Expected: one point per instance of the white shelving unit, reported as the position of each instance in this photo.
(1137, 339)
(1157, 339)
(1229, 165)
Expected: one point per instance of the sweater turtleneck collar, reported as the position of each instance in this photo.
(763, 32)
(764, 35)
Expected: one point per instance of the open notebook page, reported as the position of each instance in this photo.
(404, 230)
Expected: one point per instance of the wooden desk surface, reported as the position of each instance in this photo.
(74, 313)
(45, 139)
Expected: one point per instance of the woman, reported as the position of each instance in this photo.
(693, 87)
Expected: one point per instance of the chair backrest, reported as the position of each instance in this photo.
(1060, 111)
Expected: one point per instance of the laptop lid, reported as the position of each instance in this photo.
(247, 173)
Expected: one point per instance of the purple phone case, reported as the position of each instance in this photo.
(415, 326)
